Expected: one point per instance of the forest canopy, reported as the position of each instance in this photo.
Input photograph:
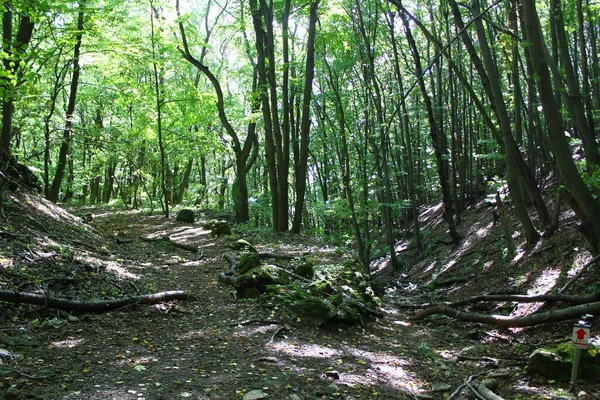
(337, 117)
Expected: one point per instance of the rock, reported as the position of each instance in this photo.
(314, 310)
(332, 374)
(349, 314)
(72, 318)
(255, 395)
(556, 363)
(186, 215)
(218, 227)
(305, 270)
(248, 262)
(245, 245)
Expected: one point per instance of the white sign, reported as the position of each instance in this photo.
(581, 336)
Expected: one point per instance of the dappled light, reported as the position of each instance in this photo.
(68, 343)
(296, 349)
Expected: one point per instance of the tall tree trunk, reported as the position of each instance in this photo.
(65, 146)
(572, 97)
(434, 132)
(302, 167)
(582, 200)
(14, 54)
(158, 88)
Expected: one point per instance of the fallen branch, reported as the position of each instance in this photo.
(23, 374)
(485, 389)
(551, 298)
(513, 322)
(266, 256)
(578, 275)
(89, 306)
(277, 332)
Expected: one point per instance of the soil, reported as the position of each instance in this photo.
(215, 346)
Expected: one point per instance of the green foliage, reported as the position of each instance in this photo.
(426, 352)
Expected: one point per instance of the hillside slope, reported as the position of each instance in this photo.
(215, 347)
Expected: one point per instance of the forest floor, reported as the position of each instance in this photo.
(218, 347)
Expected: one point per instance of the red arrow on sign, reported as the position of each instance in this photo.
(581, 334)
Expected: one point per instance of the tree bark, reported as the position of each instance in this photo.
(89, 306)
(65, 146)
(12, 65)
(585, 202)
(302, 167)
(513, 322)
(437, 142)
(244, 155)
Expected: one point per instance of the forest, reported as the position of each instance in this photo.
(404, 134)
(333, 117)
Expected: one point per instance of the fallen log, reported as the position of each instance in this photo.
(512, 322)
(89, 306)
(517, 298)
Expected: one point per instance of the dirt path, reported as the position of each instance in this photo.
(215, 347)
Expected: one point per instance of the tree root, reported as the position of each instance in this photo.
(89, 306)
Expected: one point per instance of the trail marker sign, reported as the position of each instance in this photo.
(581, 336)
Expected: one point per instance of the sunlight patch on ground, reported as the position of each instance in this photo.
(68, 343)
(6, 263)
(249, 331)
(385, 368)
(45, 207)
(120, 271)
(188, 234)
(520, 254)
(545, 282)
(376, 358)
(305, 350)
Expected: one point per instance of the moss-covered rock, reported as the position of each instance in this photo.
(349, 313)
(243, 244)
(248, 261)
(314, 310)
(556, 363)
(186, 215)
(218, 227)
(305, 270)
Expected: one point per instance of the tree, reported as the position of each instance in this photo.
(577, 195)
(301, 166)
(13, 61)
(68, 129)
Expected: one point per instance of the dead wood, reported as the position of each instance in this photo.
(233, 264)
(485, 389)
(266, 256)
(89, 306)
(579, 274)
(550, 298)
(512, 322)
